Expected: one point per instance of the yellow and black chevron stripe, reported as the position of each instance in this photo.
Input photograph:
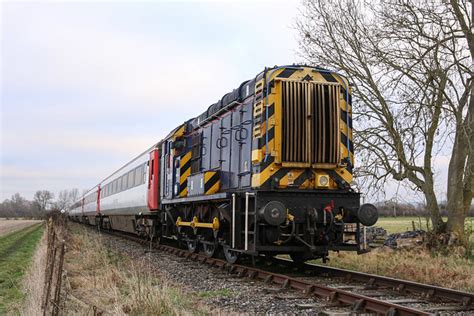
(296, 178)
(212, 182)
(184, 171)
(179, 131)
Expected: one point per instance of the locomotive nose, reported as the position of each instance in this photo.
(368, 214)
(273, 213)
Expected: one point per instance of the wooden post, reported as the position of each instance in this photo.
(59, 273)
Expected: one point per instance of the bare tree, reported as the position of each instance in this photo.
(43, 199)
(18, 206)
(18, 202)
(410, 65)
(74, 195)
(64, 200)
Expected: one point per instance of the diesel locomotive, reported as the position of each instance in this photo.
(265, 170)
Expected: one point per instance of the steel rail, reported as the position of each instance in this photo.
(359, 303)
(335, 295)
(427, 291)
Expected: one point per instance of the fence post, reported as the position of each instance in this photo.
(59, 273)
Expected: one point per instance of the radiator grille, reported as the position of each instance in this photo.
(310, 122)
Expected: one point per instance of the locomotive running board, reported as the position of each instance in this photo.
(217, 196)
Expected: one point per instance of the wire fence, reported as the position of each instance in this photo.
(54, 273)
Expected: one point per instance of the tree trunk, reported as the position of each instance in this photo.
(461, 171)
(433, 208)
(455, 205)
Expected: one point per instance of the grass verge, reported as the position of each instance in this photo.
(16, 251)
(420, 265)
(417, 265)
(115, 284)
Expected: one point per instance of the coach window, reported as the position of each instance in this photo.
(120, 184)
(131, 179)
(145, 172)
(137, 175)
(125, 180)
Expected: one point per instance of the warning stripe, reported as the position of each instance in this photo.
(344, 142)
(344, 118)
(179, 131)
(184, 184)
(262, 140)
(306, 175)
(262, 171)
(290, 177)
(274, 175)
(211, 182)
(339, 179)
(185, 171)
(286, 73)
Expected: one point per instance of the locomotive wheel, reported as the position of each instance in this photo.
(192, 245)
(230, 256)
(209, 249)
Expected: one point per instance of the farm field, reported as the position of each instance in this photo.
(402, 224)
(16, 251)
(8, 226)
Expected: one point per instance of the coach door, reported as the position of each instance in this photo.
(153, 180)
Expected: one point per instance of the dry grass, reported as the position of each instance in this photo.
(115, 284)
(33, 283)
(454, 271)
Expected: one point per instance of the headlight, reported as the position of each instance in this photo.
(323, 181)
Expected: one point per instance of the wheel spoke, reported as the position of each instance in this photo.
(192, 245)
(230, 256)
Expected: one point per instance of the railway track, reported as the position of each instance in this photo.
(301, 279)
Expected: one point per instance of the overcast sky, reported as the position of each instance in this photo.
(87, 86)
